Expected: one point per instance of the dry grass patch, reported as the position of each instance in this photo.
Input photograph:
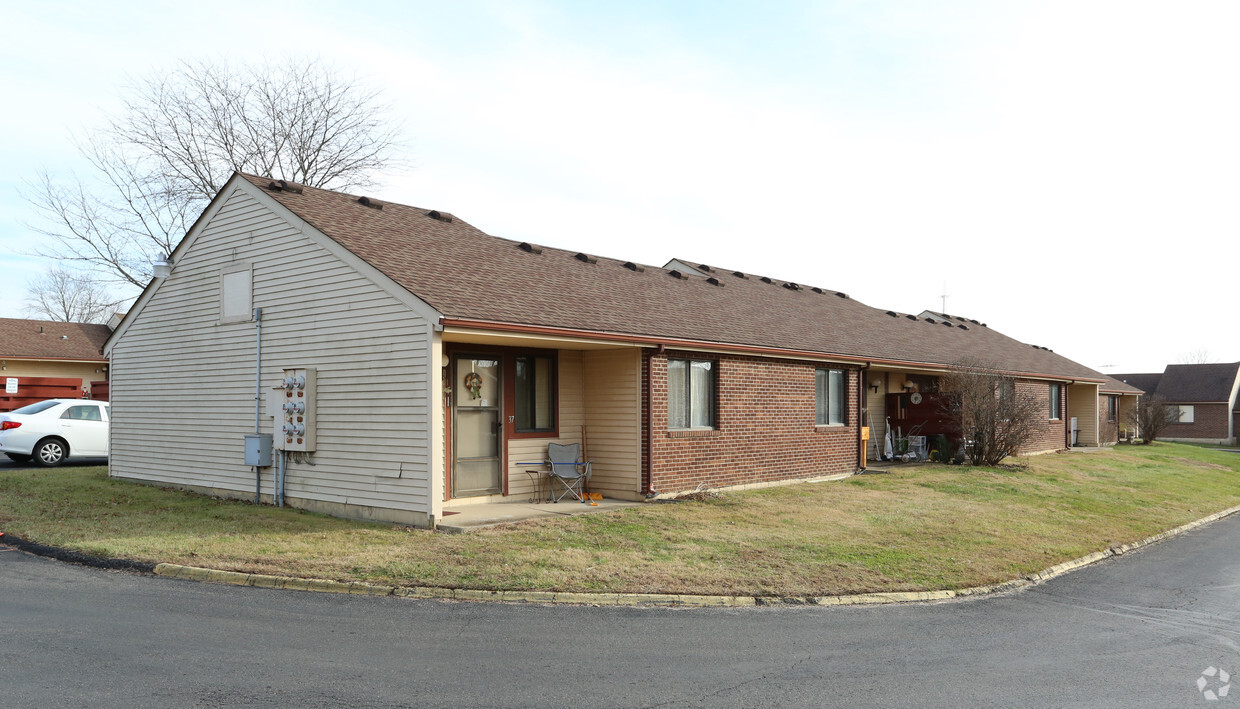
(921, 527)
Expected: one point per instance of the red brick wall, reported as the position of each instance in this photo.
(1108, 431)
(764, 428)
(1050, 434)
(1209, 422)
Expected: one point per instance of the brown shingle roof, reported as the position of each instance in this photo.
(1115, 386)
(465, 273)
(48, 339)
(1196, 382)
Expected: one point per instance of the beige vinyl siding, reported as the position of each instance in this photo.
(183, 383)
(876, 410)
(613, 421)
(1083, 404)
(86, 371)
(572, 417)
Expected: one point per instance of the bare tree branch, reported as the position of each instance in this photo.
(67, 297)
(998, 415)
(181, 135)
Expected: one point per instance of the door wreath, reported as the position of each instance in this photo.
(473, 382)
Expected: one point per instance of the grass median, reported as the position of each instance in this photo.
(919, 527)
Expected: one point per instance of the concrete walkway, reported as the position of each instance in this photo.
(463, 518)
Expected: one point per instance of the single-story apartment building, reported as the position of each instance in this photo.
(44, 359)
(1204, 400)
(406, 363)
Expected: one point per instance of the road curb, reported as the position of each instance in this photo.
(238, 578)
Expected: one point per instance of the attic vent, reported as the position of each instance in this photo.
(704, 267)
(633, 267)
(738, 274)
(947, 323)
(792, 286)
(764, 279)
(975, 322)
(283, 186)
(368, 202)
(932, 321)
(713, 281)
(911, 317)
(676, 274)
(843, 295)
(434, 214)
(816, 289)
(982, 324)
(585, 258)
(963, 327)
(892, 313)
(528, 248)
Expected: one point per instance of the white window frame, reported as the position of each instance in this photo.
(1182, 413)
(1056, 395)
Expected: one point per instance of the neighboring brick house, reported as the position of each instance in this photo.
(50, 359)
(1203, 398)
(438, 359)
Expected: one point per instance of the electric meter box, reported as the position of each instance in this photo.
(294, 410)
(258, 449)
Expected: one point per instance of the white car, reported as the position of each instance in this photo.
(51, 431)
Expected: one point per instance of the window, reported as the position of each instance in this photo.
(1112, 407)
(82, 413)
(690, 393)
(1180, 414)
(534, 405)
(235, 293)
(830, 388)
(1055, 389)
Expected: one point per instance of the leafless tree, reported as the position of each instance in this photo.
(1151, 416)
(1198, 356)
(180, 136)
(68, 297)
(998, 417)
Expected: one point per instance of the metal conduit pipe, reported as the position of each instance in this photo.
(258, 394)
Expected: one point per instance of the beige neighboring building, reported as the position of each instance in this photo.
(34, 351)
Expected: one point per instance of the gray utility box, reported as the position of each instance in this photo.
(258, 449)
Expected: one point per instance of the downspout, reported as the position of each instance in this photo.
(650, 491)
(258, 393)
(861, 411)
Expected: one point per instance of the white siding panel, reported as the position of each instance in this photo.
(183, 383)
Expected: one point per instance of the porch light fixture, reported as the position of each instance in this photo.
(907, 386)
(875, 384)
(162, 266)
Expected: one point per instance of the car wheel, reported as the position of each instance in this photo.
(51, 452)
(18, 457)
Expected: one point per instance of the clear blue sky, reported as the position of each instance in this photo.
(1066, 170)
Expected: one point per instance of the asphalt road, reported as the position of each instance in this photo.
(1135, 631)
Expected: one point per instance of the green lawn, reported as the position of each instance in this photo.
(917, 528)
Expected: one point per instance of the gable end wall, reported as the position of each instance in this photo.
(183, 382)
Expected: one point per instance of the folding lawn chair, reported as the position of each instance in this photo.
(572, 473)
